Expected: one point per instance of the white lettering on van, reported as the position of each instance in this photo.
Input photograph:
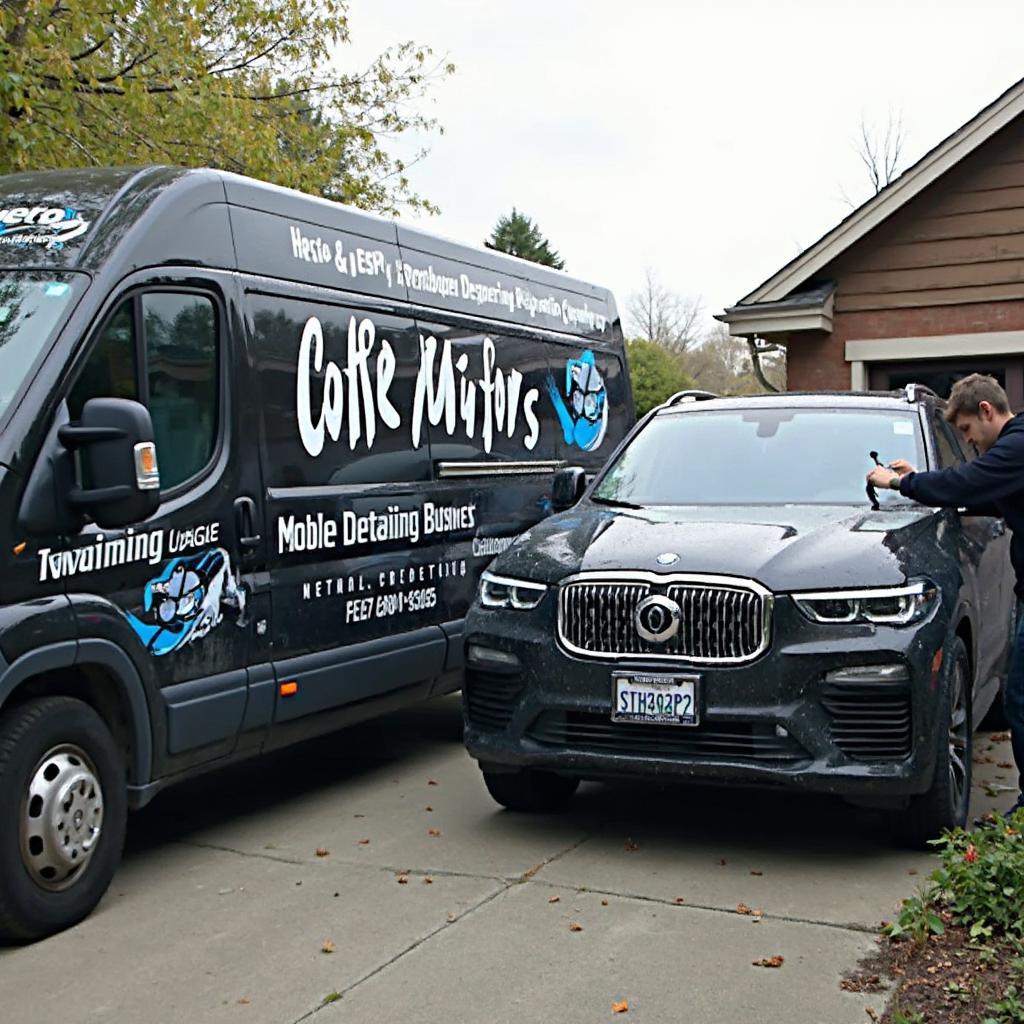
(443, 393)
(105, 552)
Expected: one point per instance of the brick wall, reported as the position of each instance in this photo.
(816, 361)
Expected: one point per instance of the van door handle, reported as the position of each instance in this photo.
(245, 523)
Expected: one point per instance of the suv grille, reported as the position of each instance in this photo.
(723, 620)
(870, 722)
(724, 741)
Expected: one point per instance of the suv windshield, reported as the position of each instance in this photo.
(762, 456)
(32, 305)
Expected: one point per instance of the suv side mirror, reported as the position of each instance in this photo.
(567, 488)
(118, 462)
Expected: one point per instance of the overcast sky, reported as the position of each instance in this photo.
(711, 141)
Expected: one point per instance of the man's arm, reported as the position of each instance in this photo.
(975, 485)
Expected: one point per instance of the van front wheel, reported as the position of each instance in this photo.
(63, 813)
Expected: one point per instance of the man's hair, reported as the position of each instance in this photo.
(969, 392)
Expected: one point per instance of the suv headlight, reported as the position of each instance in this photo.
(889, 606)
(502, 592)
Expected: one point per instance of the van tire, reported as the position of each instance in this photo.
(529, 790)
(945, 804)
(60, 769)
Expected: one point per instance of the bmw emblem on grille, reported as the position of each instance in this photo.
(668, 558)
(657, 619)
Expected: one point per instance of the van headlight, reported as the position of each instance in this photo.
(502, 592)
(889, 606)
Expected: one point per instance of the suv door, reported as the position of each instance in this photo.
(985, 561)
(172, 591)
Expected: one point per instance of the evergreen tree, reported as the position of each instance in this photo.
(520, 236)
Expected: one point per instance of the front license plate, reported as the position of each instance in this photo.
(662, 699)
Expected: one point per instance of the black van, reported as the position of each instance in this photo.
(255, 450)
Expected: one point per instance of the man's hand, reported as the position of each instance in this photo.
(881, 477)
(902, 467)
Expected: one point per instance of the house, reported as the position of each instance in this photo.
(924, 282)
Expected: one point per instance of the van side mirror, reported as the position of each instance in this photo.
(114, 439)
(567, 487)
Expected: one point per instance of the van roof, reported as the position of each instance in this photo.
(123, 219)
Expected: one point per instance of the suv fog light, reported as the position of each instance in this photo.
(869, 674)
(489, 658)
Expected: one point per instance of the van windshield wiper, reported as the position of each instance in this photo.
(615, 503)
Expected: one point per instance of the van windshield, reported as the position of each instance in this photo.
(761, 456)
(32, 306)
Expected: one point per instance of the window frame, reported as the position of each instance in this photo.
(135, 295)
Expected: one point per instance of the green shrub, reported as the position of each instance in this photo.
(980, 885)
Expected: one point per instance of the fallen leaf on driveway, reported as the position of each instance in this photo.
(322, 851)
(363, 842)
(327, 947)
(432, 782)
(530, 872)
(435, 832)
(769, 961)
(554, 899)
(245, 1001)
(622, 1007)
(722, 862)
(427, 880)
(631, 847)
(403, 879)
(680, 900)
(757, 913)
(451, 917)
(758, 873)
(1004, 764)
(604, 903)
(742, 908)
(575, 926)
(428, 808)
(871, 1013)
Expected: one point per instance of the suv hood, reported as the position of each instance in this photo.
(785, 548)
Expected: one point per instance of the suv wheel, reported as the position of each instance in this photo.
(944, 805)
(63, 812)
(530, 790)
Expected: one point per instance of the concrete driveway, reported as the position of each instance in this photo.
(381, 845)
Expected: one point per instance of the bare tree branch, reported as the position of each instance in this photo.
(659, 314)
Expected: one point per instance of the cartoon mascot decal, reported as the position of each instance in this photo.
(186, 601)
(583, 409)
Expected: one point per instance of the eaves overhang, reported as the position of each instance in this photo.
(806, 311)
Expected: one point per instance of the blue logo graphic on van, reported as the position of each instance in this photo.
(50, 226)
(186, 601)
(583, 408)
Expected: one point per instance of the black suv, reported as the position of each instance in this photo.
(728, 602)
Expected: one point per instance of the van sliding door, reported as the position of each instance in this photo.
(355, 563)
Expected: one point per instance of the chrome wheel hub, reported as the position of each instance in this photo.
(61, 818)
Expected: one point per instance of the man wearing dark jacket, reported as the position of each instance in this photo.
(993, 484)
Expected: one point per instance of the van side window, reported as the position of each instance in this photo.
(111, 370)
(178, 352)
(181, 373)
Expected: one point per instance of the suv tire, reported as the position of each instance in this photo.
(63, 811)
(530, 790)
(945, 804)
